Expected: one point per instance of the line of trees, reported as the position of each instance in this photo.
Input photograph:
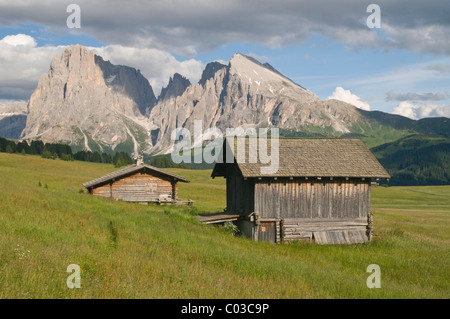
(63, 152)
(166, 162)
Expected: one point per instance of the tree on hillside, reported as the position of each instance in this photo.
(36, 147)
(48, 154)
(106, 158)
(22, 146)
(166, 162)
(3, 142)
(122, 159)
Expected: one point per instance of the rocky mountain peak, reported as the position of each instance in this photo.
(176, 87)
(12, 118)
(209, 71)
(264, 79)
(86, 100)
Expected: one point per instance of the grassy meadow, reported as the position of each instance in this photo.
(127, 250)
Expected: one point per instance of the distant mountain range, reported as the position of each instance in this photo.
(91, 104)
(13, 118)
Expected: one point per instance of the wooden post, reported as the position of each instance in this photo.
(174, 190)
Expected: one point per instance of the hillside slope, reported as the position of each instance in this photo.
(416, 160)
(129, 250)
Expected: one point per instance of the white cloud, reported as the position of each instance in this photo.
(22, 63)
(406, 109)
(19, 39)
(348, 97)
(419, 111)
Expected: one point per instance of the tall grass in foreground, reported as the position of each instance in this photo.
(129, 250)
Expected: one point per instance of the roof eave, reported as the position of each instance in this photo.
(317, 175)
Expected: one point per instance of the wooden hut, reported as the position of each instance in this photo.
(320, 192)
(137, 183)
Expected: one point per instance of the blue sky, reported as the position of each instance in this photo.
(403, 67)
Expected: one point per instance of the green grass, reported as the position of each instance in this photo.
(128, 250)
(208, 194)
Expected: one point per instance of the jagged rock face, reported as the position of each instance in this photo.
(247, 94)
(13, 116)
(209, 72)
(86, 101)
(176, 87)
(130, 82)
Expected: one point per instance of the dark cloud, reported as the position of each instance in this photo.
(439, 67)
(188, 26)
(16, 93)
(438, 96)
(155, 28)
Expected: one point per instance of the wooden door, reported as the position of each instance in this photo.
(266, 231)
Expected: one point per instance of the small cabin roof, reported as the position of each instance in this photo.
(129, 170)
(306, 157)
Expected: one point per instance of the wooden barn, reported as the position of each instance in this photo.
(320, 192)
(137, 183)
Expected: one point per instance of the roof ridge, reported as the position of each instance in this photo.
(130, 169)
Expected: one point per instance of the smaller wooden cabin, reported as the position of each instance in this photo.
(320, 192)
(137, 183)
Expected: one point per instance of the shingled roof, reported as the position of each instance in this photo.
(309, 157)
(129, 170)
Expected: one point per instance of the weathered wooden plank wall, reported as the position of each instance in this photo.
(103, 191)
(300, 198)
(308, 207)
(138, 187)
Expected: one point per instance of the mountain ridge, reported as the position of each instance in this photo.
(176, 87)
(91, 104)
